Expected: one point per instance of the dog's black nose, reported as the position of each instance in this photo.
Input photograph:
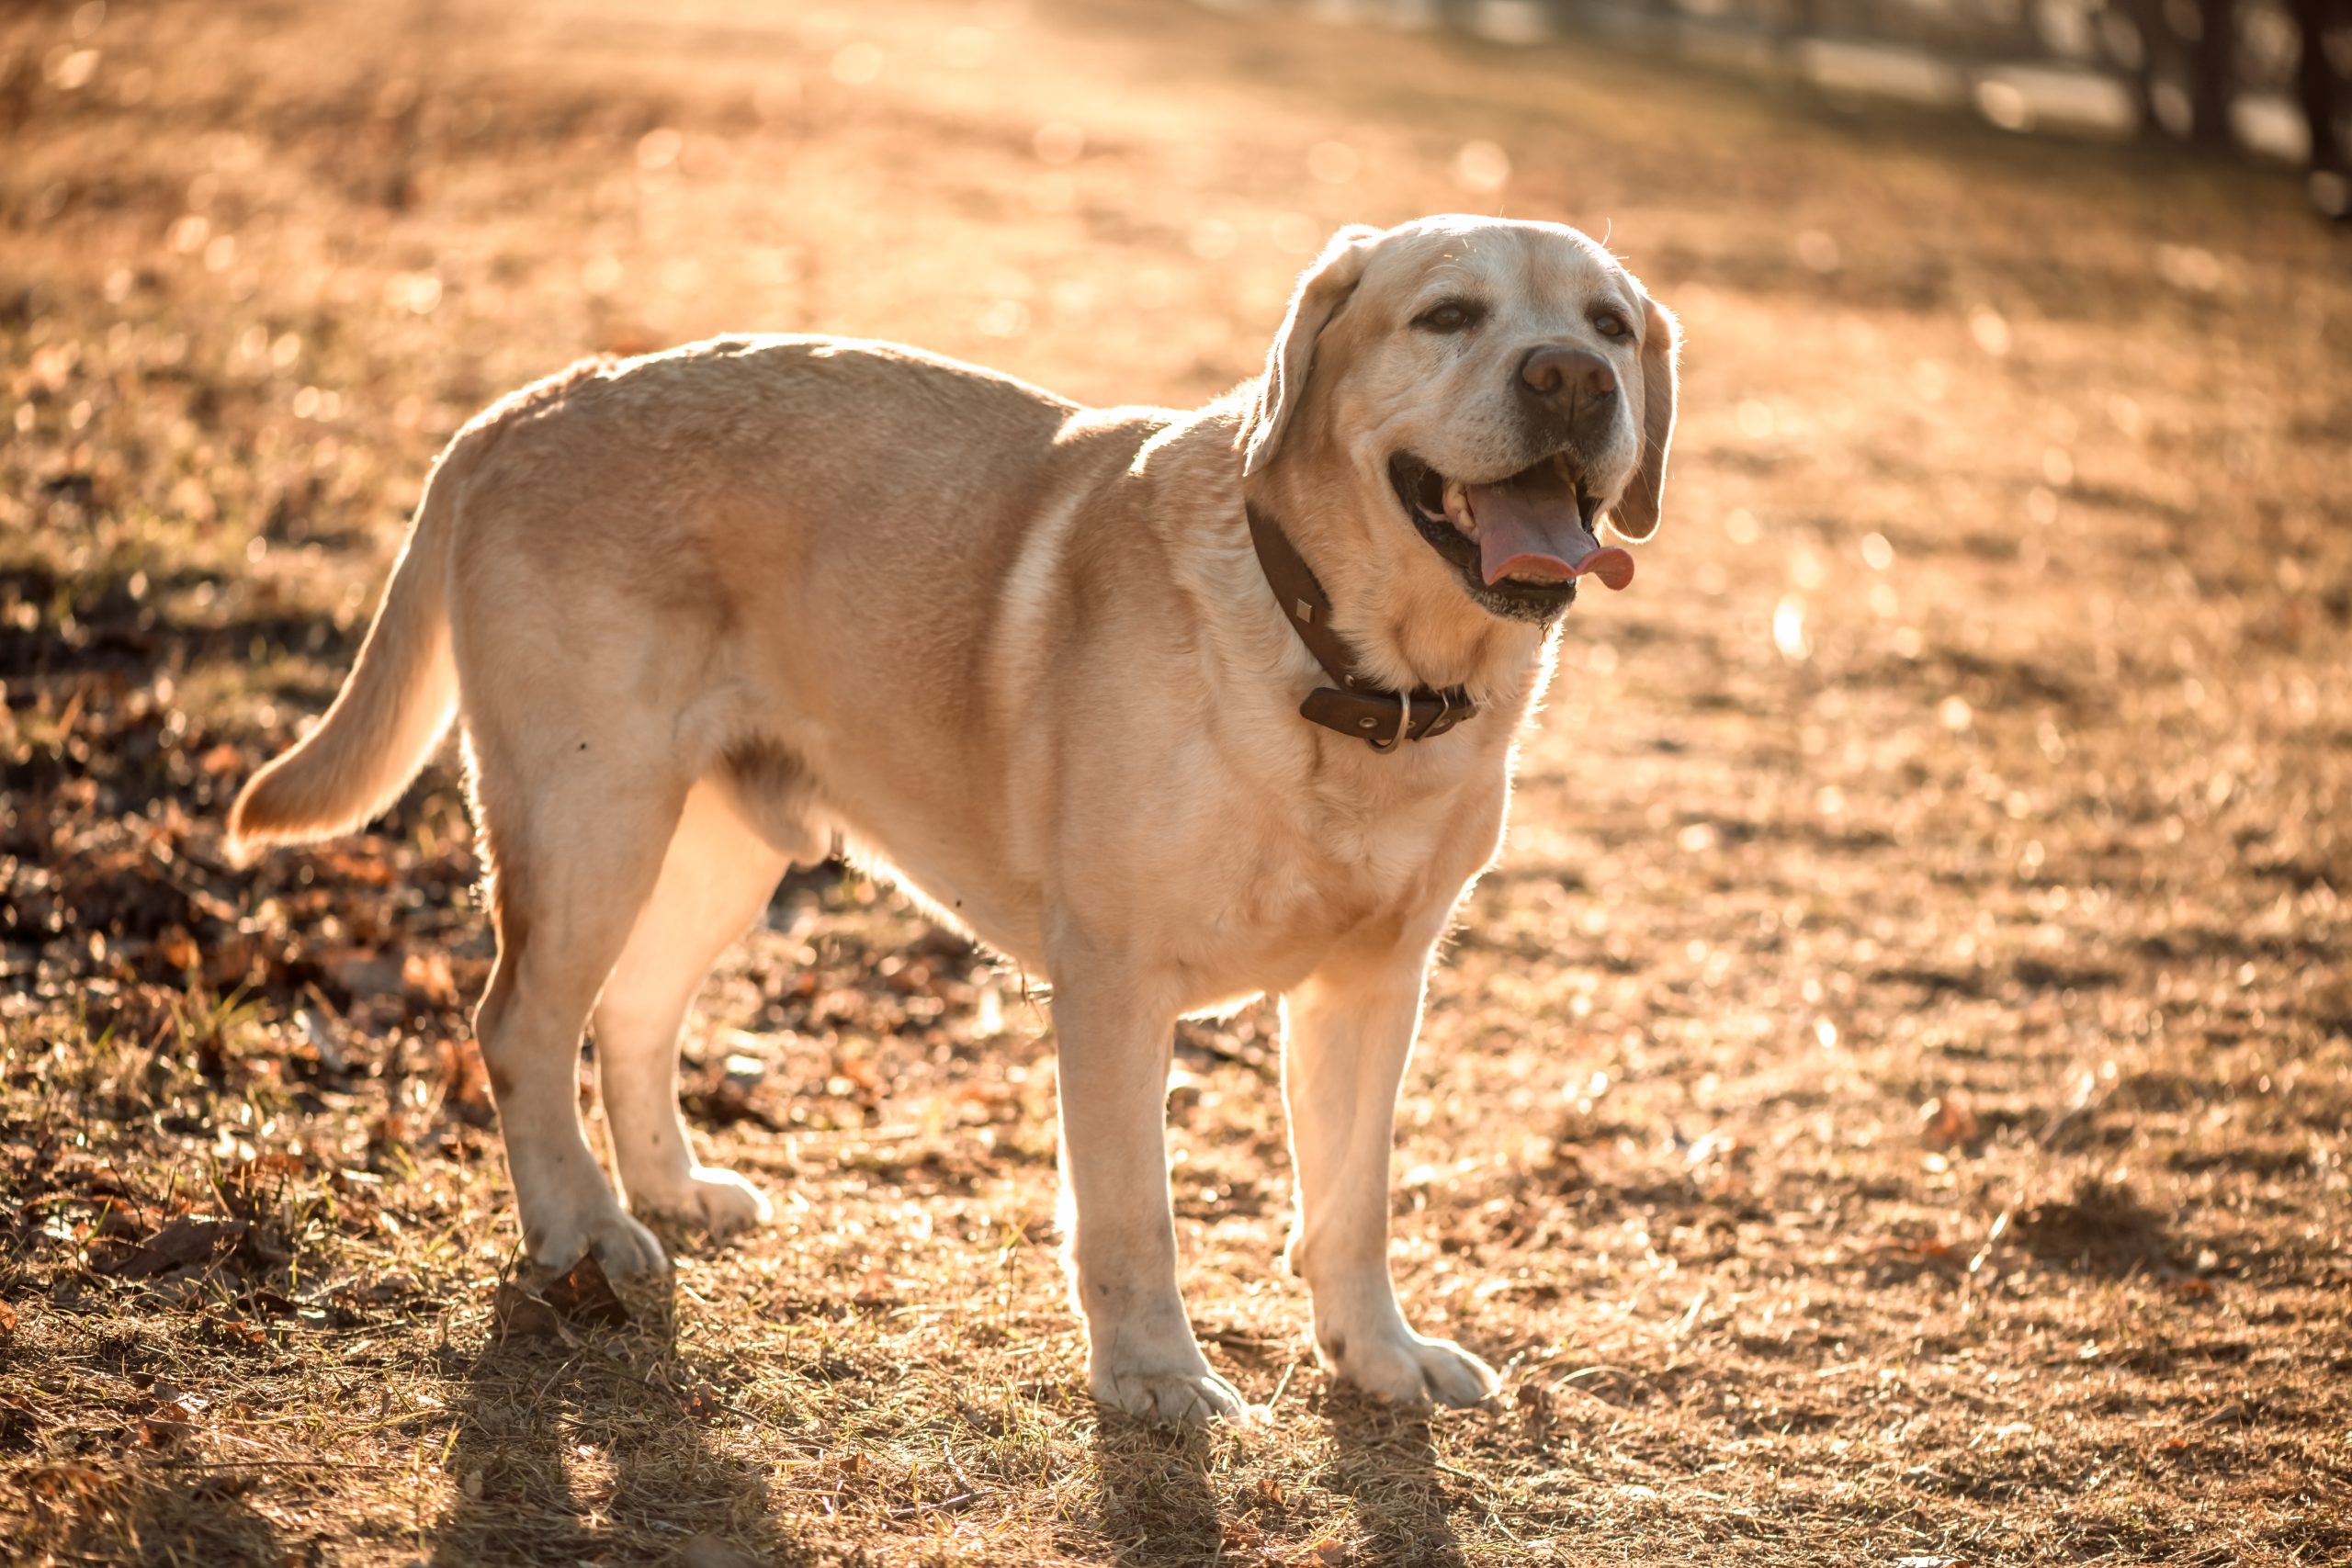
(1568, 390)
(1569, 377)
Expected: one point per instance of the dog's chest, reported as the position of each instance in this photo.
(1323, 870)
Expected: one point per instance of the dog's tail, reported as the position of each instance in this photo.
(395, 704)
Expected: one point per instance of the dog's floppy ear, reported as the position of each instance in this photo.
(1636, 513)
(1323, 288)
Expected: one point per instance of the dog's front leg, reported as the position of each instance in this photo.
(1112, 1056)
(1346, 1033)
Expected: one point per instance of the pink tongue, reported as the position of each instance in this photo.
(1535, 536)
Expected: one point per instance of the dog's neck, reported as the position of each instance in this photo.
(1355, 706)
(1407, 624)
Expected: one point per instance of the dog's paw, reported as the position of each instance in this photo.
(718, 1200)
(559, 1239)
(1168, 1384)
(1174, 1396)
(1410, 1369)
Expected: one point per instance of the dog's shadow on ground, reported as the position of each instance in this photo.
(593, 1445)
(155, 1515)
(1155, 1492)
(1388, 1469)
(1159, 1496)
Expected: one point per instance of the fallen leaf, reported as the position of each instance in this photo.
(1534, 1402)
(1949, 1120)
(389, 1132)
(178, 949)
(875, 1290)
(170, 1423)
(228, 959)
(63, 1481)
(861, 1075)
(266, 1303)
(390, 1288)
(522, 1315)
(322, 1040)
(191, 1238)
(237, 1331)
(427, 974)
(583, 1296)
(465, 1078)
(698, 1399)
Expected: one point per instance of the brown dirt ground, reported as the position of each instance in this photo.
(1889, 1105)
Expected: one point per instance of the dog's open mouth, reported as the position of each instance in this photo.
(1520, 543)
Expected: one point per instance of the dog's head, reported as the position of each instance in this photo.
(1468, 397)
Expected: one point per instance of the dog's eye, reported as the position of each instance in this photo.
(1610, 324)
(1450, 316)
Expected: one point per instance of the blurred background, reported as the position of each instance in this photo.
(2268, 77)
(1889, 1102)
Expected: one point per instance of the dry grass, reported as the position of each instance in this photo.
(1890, 1103)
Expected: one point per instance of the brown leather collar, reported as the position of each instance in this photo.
(1374, 714)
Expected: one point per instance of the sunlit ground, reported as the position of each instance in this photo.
(1889, 1103)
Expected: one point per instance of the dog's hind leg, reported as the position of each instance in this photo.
(715, 881)
(575, 817)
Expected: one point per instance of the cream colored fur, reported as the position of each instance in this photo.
(699, 613)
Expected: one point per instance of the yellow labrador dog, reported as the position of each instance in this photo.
(1176, 708)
